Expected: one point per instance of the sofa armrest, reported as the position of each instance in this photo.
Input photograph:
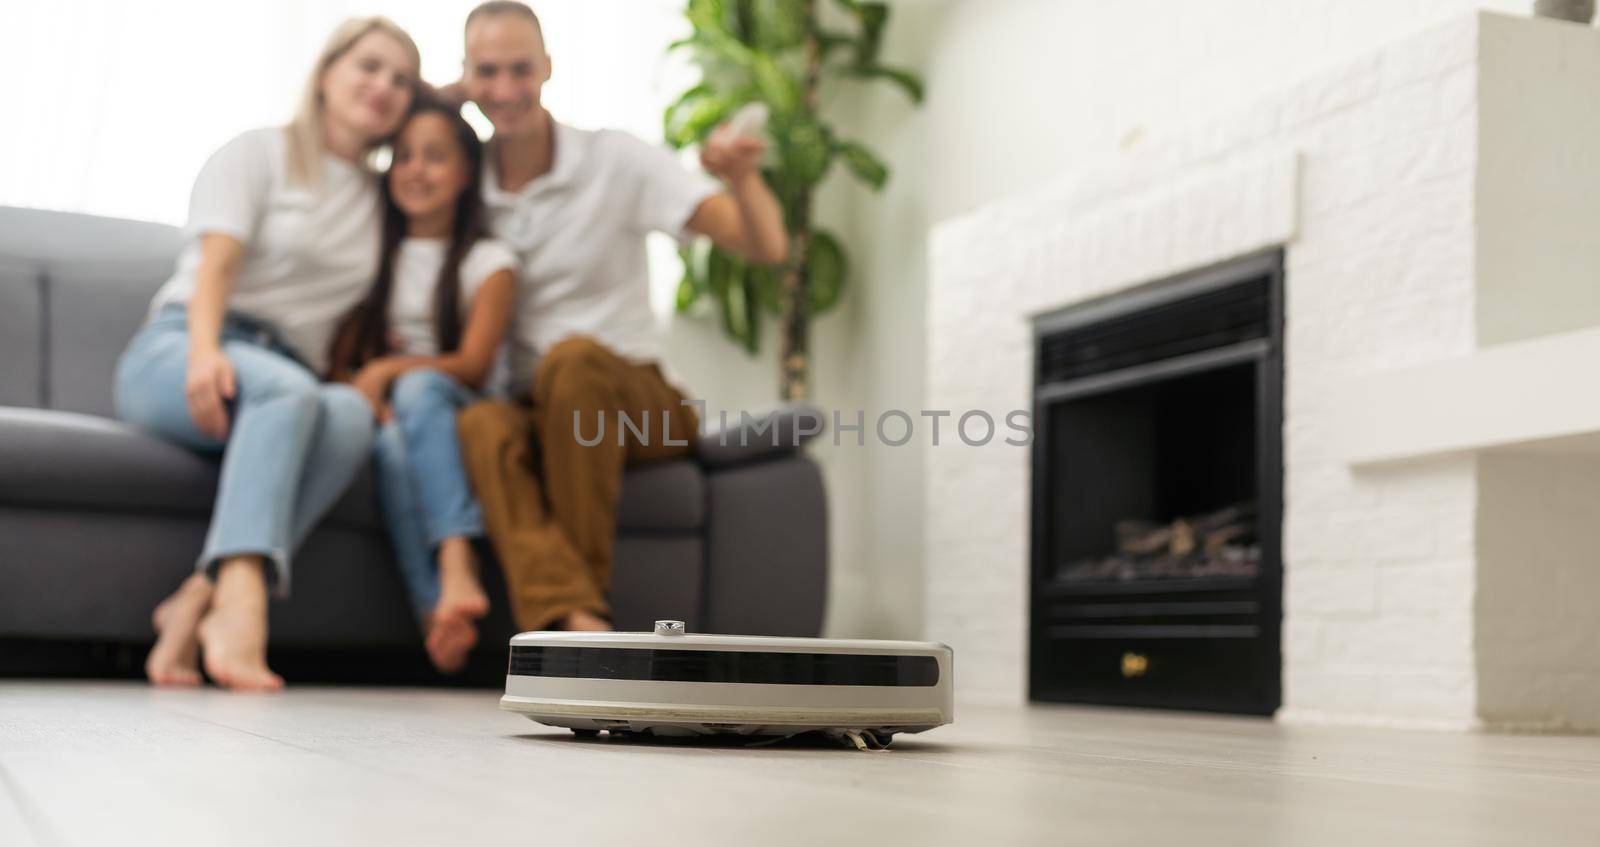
(758, 436)
(766, 549)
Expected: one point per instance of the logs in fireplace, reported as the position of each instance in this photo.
(1157, 495)
(1220, 543)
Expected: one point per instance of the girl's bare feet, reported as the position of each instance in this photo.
(175, 658)
(582, 621)
(453, 627)
(233, 635)
(449, 640)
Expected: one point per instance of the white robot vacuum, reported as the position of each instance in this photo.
(670, 683)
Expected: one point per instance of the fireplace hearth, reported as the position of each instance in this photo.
(1157, 495)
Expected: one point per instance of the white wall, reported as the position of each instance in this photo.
(114, 106)
(1020, 91)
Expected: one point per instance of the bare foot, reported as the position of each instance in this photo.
(582, 621)
(460, 591)
(175, 658)
(450, 639)
(453, 628)
(233, 635)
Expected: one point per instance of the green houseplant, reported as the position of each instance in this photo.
(781, 53)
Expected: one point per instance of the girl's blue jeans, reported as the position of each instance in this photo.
(422, 485)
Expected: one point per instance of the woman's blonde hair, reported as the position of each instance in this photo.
(305, 129)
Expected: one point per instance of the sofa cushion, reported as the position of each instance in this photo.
(94, 310)
(68, 460)
(21, 344)
(95, 277)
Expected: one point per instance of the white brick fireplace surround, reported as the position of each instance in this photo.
(1438, 202)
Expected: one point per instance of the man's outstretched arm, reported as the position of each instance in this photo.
(747, 219)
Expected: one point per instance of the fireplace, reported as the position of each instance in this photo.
(1157, 494)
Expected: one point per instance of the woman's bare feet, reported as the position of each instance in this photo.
(582, 621)
(233, 635)
(453, 626)
(175, 658)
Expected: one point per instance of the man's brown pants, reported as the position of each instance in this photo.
(549, 500)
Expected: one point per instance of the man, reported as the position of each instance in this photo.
(576, 205)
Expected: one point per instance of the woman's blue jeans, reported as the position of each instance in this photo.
(293, 445)
(422, 485)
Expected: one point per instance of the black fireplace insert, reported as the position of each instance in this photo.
(1157, 575)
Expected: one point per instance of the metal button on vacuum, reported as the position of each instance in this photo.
(669, 627)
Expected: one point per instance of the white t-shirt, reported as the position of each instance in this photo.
(309, 254)
(579, 233)
(416, 274)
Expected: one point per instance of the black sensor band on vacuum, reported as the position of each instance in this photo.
(734, 666)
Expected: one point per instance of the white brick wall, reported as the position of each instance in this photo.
(1366, 173)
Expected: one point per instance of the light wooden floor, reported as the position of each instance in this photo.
(111, 763)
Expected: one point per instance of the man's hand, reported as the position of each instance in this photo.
(732, 157)
(207, 385)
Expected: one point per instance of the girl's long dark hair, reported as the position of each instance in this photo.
(364, 333)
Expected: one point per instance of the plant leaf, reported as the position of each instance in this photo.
(872, 16)
(766, 282)
(686, 296)
(778, 89)
(730, 323)
(827, 42)
(908, 82)
(804, 150)
(825, 271)
(752, 315)
(715, 39)
(725, 279)
(708, 15)
(719, 272)
(779, 24)
(700, 90)
(672, 118)
(864, 163)
(695, 115)
(692, 285)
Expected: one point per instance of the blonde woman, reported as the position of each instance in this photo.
(284, 239)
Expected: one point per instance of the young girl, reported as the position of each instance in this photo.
(420, 347)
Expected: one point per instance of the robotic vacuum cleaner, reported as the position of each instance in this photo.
(670, 683)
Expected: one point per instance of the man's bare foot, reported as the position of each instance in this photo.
(233, 635)
(175, 658)
(453, 628)
(582, 621)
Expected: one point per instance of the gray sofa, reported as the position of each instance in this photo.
(99, 521)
